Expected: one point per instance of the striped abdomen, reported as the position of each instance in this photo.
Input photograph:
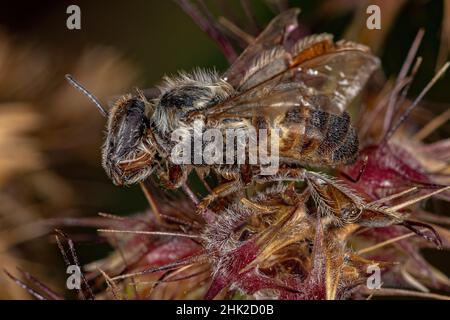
(318, 138)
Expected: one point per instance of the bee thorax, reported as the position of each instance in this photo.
(186, 93)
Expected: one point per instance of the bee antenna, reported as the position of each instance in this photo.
(74, 83)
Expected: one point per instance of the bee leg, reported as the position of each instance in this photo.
(411, 225)
(291, 197)
(257, 207)
(173, 176)
(377, 217)
(220, 191)
(360, 173)
(283, 174)
(333, 197)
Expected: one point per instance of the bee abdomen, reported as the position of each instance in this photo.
(337, 129)
(348, 151)
(326, 138)
(319, 120)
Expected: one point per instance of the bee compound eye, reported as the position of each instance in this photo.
(245, 234)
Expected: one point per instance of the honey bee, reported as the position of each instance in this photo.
(302, 89)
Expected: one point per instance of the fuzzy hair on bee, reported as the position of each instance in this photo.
(127, 141)
(184, 93)
(302, 90)
(335, 200)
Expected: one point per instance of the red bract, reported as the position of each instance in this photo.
(230, 267)
(389, 169)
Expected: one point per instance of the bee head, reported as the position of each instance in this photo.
(128, 152)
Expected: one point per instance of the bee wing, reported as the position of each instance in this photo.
(334, 79)
(317, 73)
(278, 101)
(273, 35)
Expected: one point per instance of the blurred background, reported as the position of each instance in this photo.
(50, 135)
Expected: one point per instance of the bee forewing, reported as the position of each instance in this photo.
(328, 82)
(337, 76)
(273, 35)
(274, 102)
(315, 73)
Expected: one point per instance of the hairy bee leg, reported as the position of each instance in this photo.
(372, 216)
(315, 179)
(219, 192)
(411, 225)
(360, 173)
(174, 176)
(334, 198)
(284, 174)
(381, 218)
(256, 206)
(291, 197)
(375, 218)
